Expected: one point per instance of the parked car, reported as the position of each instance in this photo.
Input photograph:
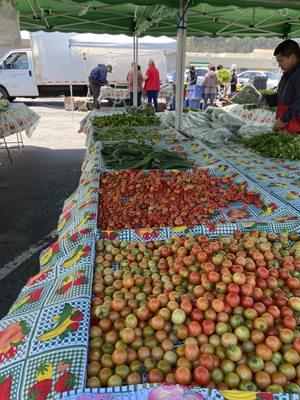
(272, 81)
(200, 71)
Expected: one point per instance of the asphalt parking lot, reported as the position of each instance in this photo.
(32, 192)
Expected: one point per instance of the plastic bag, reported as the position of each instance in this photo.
(249, 131)
(231, 122)
(170, 117)
(219, 135)
(247, 95)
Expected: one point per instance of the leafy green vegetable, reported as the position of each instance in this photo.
(247, 95)
(124, 119)
(224, 76)
(125, 155)
(276, 144)
(268, 92)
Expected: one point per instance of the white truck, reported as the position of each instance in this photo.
(48, 67)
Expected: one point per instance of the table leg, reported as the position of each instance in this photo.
(7, 149)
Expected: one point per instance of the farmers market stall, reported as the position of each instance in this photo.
(15, 119)
(239, 329)
(44, 340)
(120, 96)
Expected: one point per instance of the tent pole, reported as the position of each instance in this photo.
(180, 64)
(135, 78)
(70, 79)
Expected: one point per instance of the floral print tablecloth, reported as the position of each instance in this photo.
(18, 118)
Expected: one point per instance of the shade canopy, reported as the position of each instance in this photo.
(91, 44)
(241, 18)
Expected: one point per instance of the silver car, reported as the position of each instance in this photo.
(272, 81)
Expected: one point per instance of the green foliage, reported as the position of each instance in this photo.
(224, 76)
(276, 144)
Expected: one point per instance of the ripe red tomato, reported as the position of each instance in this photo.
(208, 327)
(289, 322)
(232, 299)
(247, 302)
(206, 361)
(233, 288)
(197, 315)
(201, 376)
(246, 289)
(194, 328)
(191, 351)
(183, 375)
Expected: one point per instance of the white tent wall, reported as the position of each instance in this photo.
(51, 57)
(122, 64)
(118, 51)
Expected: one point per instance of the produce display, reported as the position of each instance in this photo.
(137, 199)
(195, 311)
(247, 95)
(146, 109)
(127, 133)
(202, 316)
(268, 92)
(277, 145)
(115, 120)
(126, 155)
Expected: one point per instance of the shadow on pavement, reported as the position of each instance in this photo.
(32, 192)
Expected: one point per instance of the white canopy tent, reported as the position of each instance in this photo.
(92, 44)
(115, 49)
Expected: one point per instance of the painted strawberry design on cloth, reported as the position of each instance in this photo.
(44, 380)
(264, 396)
(67, 381)
(5, 387)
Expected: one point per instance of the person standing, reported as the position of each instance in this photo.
(233, 80)
(210, 85)
(287, 98)
(152, 84)
(140, 81)
(98, 78)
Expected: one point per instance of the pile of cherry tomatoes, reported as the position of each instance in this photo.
(190, 310)
(136, 199)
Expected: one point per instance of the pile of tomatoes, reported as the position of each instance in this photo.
(194, 311)
(136, 199)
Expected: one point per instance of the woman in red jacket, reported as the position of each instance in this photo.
(152, 84)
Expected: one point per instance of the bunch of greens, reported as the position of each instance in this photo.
(115, 120)
(124, 133)
(224, 76)
(276, 144)
(127, 155)
(247, 95)
(268, 92)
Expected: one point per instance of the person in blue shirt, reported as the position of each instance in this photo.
(98, 78)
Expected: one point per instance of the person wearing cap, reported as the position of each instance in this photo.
(287, 98)
(98, 78)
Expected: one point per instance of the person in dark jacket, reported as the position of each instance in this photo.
(287, 98)
(98, 78)
(233, 81)
(192, 77)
